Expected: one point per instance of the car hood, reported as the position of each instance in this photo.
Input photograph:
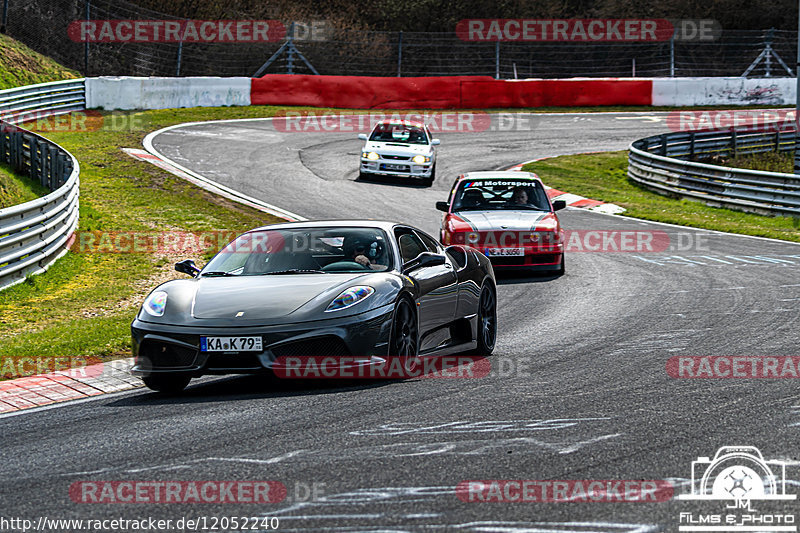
(391, 148)
(260, 297)
(267, 300)
(499, 220)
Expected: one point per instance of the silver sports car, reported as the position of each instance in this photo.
(359, 288)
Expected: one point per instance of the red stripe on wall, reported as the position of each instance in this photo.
(451, 92)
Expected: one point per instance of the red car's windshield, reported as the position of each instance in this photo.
(500, 194)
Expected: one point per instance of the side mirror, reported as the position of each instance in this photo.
(559, 204)
(436, 142)
(443, 206)
(425, 259)
(362, 136)
(187, 266)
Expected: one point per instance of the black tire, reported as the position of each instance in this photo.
(429, 181)
(404, 341)
(167, 383)
(563, 267)
(363, 175)
(487, 321)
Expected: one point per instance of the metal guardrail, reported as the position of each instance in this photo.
(34, 234)
(657, 163)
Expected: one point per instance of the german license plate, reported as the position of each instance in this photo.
(504, 252)
(400, 168)
(231, 344)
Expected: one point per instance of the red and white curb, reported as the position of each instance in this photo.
(573, 200)
(65, 385)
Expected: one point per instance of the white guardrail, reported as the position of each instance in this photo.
(662, 163)
(34, 234)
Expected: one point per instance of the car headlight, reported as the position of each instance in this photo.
(350, 297)
(372, 156)
(420, 159)
(155, 303)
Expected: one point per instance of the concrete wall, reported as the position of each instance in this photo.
(723, 91)
(165, 93)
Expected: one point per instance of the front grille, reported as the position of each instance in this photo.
(232, 361)
(507, 261)
(160, 355)
(396, 157)
(535, 259)
(543, 259)
(318, 346)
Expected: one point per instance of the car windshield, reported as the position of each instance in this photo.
(500, 194)
(302, 251)
(399, 133)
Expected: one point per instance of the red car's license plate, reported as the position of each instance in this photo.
(504, 252)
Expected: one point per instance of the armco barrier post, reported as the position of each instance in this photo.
(497, 59)
(399, 54)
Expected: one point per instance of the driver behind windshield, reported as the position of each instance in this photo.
(367, 252)
(519, 196)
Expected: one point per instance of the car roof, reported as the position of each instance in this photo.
(403, 122)
(378, 224)
(500, 175)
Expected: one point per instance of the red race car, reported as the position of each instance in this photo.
(508, 217)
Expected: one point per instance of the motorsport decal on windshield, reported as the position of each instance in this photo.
(491, 183)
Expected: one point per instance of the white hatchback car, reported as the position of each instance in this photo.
(399, 148)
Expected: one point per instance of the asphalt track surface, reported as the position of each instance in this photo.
(578, 389)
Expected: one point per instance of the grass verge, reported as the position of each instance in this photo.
(769, 161)
(19, 65)
(604, 177)
(16, 189)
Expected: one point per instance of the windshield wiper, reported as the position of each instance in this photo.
(217, 273)
(295, 271)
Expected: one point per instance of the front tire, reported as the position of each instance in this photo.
(167, 383)
(429, 181)
(404, 341)
(563, 267)
(487, 321)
